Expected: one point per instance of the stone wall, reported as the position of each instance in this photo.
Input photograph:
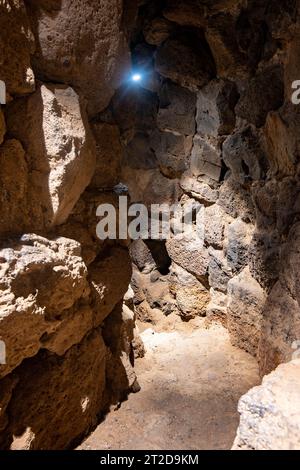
(270, 413)
(68, 336)
(212, 124)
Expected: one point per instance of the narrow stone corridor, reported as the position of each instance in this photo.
(191, 380)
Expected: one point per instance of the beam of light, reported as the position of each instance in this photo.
(136, 77)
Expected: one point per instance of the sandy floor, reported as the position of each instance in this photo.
(191, 379)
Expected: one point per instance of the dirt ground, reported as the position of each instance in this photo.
(191, 380)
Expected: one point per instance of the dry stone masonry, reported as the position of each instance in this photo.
(211, 126)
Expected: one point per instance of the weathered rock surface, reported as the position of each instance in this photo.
(188, 13)
(139, 153)
(81, 45)
(41, 280)
(282, 141)
(13, 188)
(151, 187)
(109, 154)
(200, 190)
(195, 13)
(270, 413)
(141, 256)
(280, 329)
(239, 237)
(53, 129)
(134, 110)
(7, 386)
(2, 127)
(217, 307)
(70, 387)
(281, 315)
(243, 155)
(178, 60)
(192, 301)
(188, 251)
(16, 44)
(210, 125)
(172, 151)
(246, 300)
(118, 334)
(215, 222)
(109, 278)
(82, 223)
(206, 158)
(231, 62)
(215, 108)
(236, 200)
(263, 93)
(157, 31)
(219, 271)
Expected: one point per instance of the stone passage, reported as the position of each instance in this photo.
(211, 125)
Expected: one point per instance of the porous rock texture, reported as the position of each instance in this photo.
(210, 127)
(222, 139)
(65, 363)
(270, 412)
(81, 44)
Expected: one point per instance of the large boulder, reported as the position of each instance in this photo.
(52, 126)
(206, 158)
(67, 391)
(109, 154)
(81, 44)
(270, 413)
(2, 126)
(41, 281)
(262, 94)
(13, 188)
(189, 252)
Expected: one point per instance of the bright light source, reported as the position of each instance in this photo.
(136, 77)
